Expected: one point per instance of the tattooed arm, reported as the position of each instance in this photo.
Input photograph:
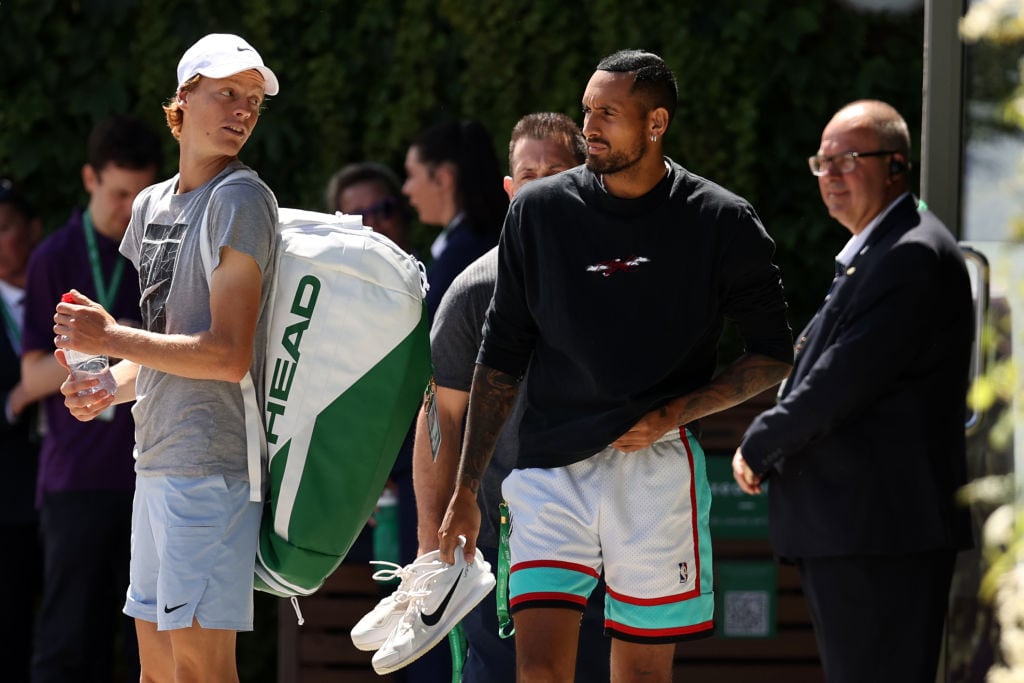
(745, 377)
(490, 402)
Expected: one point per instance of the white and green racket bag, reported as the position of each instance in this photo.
(348, 358)
(347, 361)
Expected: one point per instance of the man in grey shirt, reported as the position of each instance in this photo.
(197, 507)
(541, 144)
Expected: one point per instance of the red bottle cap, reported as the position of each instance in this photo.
(67, 298)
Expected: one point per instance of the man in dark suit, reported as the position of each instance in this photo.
(865, 448)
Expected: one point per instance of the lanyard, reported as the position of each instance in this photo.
(104, 293)
(505, 627)
(13, 329)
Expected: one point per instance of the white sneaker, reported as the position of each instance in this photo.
(440, 599)
(373, 629)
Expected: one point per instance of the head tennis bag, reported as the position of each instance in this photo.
(348, 357)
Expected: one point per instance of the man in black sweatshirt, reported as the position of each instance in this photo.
(614, 282)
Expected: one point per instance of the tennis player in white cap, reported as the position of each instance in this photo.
(197, 502)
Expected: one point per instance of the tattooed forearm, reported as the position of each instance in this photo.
(490, 402)
(747, 376)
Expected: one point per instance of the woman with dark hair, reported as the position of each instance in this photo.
(455, 180)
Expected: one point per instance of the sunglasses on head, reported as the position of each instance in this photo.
(385, 208)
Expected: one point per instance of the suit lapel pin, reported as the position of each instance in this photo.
(851, 270)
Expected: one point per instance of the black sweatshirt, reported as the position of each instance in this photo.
(617, 305)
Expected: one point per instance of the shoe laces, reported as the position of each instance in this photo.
(390, 572)
(407, 574)
(419, 591)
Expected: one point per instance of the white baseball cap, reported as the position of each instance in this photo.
(219, 55)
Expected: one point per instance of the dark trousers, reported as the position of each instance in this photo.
(492, 659)
(20, 575)
(879, 618)
(86, 548)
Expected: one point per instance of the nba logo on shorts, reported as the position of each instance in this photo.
(684, 572)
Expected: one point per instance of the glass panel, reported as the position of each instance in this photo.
(993, 190)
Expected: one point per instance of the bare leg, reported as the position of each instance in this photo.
(155, 656)
(186, 655)
(546, 640)
(204, 655)
(636, 663)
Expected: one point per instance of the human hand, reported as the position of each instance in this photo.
(646, 431)
(462, 518)
(17, 401)
(83, 406)
(749, 482)
(81, 324)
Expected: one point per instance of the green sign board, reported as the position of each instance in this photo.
(734, 514)
(745, 599)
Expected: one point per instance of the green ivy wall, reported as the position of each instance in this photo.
(757, 78)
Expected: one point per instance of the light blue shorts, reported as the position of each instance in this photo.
(642, 518)
(193, 552)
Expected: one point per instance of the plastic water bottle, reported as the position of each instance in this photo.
(385, 533)
(89, 366)
(86, 366)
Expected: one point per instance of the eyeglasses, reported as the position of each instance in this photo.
(845, 162)
(385, 208)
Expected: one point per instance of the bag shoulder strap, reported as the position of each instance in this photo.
(255, 435)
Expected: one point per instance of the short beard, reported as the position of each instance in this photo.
(616, 162)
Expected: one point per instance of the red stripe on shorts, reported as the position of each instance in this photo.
(559, 597)
(647, 602)
(556, 564)
(693, 508)
(659, 632)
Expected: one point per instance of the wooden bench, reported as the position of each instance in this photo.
(320, 651)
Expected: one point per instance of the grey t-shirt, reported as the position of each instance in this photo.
(454, 342)
(189, 427)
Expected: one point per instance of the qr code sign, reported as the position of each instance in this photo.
(746, 614)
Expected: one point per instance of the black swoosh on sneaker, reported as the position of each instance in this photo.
(168, 610)
(432, 619)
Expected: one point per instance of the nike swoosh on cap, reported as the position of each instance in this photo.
(432, 619)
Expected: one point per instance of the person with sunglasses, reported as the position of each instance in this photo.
(371, 190)
(865, 449)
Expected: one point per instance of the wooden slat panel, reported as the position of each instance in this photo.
(287, 644)
(791, 610)
(349, 579)
(789, 643)
(748, 672)
(722, 432)
(320, 651)
(330, 647)
(314, 674)
(334, 612)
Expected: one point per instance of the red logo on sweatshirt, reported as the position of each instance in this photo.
(618, 265)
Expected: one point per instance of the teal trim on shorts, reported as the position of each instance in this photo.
(702, 494)
(659, 620)
(548, 582)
